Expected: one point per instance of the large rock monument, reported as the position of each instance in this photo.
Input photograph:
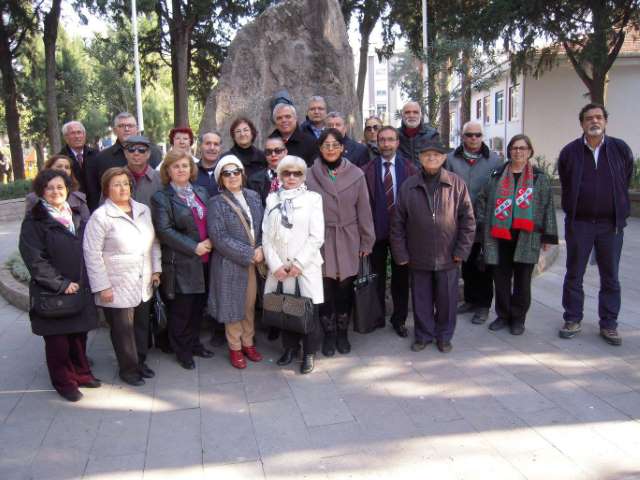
(297, 45)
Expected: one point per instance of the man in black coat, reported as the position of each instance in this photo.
(355, 152)
(297, 142)
(414, 132)
(76, 148)
(124, 125)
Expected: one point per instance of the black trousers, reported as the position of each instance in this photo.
(185, 318)
(310, 341)
(399, 282)
(434, 295)
(141, 315)
(478, 286)
(338, 296)
(513, 285)
(123, 339)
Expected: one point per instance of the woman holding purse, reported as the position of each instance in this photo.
(292, 235)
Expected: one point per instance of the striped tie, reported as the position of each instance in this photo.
(388, 186)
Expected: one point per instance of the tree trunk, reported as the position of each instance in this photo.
(443, 99)
(366, 27)
(465, 87)
(39, 148)
(10, 98)
(50, 36)
(180, 31)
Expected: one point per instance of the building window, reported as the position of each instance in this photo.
(478, 109)
(499, 106)
(486, 107)
(514, 92)
(381, 93)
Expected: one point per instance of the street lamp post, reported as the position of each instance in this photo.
(425, 48)
(136, 61)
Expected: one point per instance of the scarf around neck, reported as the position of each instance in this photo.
(62, 216)
(187, 194)
(471, 157)
(332, 167)
(514, 204)
(281, 215)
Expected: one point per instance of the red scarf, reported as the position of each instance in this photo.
(138, 176)
(411, 132)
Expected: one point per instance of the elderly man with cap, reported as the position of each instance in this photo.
(433, 241)
(234, 225)
(137, 151)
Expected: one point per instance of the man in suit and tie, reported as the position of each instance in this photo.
(385, 174)
(76, 148)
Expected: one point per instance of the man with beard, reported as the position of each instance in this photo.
(595, 171)
(414, 132)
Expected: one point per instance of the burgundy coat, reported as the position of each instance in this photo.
(347, 217)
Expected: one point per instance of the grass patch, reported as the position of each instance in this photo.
(17, 268)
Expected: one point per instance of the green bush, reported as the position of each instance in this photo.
(17, 268)
(17, 189)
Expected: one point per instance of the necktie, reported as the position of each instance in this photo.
(79, 158)
(388, 186)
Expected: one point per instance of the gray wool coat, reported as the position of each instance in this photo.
(231, 256)
(348, 221)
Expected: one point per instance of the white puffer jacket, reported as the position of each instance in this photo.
(121, 253)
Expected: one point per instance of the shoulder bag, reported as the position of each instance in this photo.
(367, 311)
(47, 304)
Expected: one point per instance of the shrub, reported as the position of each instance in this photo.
(17, 189)
(17, 268)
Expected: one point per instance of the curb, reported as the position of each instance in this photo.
(13, 291)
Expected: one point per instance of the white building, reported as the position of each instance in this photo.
(546, 108)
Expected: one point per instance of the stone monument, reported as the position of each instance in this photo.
(297, 45)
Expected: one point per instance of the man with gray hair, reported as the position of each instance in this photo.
(76, 148)
(124, 126)
(414, 132)
(316, 116)
(297, 142)
(474, 163)
(355, 152)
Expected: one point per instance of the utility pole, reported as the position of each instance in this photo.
(136, 61)
(425, 48)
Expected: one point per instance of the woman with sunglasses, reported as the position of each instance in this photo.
(292, 235)
(234, 226)
(349, 234)
(517, 218)
(180, 219)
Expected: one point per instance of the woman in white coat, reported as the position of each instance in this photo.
(292, 234)
(122, 256)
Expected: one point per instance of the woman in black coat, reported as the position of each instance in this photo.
(51, 247)
(243, 133)
(179, 214)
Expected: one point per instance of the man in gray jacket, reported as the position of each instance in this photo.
(474, 163)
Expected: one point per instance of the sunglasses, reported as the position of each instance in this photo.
(372, 128)
(291, 173)
(232, 173)
(330, 146)
(137, 149)
(472, 134)
(273, 151)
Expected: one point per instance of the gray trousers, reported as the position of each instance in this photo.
(129, 336)
(434, 295)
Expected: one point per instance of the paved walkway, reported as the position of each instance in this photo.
(497, 407)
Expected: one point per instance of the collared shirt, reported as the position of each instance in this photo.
(316, 131)
(76, 153)
(595, 151)
(392, 167)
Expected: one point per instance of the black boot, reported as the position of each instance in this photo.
(287, 357)
(308, 362)
(342, 342)
(329, 342)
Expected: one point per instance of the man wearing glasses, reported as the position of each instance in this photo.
(124, 126)
(474, 163)
(146, 180)
(266, 180)
(372, 126)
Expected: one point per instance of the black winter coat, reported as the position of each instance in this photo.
(53, 255)
(88, 156)
(300, 144)
(409, 145)
(260, 182)
(252, 158)
(182, 268)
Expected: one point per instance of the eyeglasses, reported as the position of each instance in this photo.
(372, 128)
(274, 151)
(121, 185)
(473, 134)
(137, 149)
(330, 146)
(242, 130)
(519, 149)
(126, 126)
(232, 173)
(291, 173)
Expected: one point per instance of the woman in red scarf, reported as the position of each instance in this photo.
(516, 215)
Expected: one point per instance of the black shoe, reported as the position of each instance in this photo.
(418, 345)
(329, 345)
(72, 396)
(133, 380)
(342, 342)
(204, 353)
(465, 307)
(146, 372)
(308, 362)
(218, 339)
(95, 383)
(287, 357)
(516, 329)
(481, 316)
(444, 347)
(273, 334)
(187, 364)
(498, 324)
(401, 330)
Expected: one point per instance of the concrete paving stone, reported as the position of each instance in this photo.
(8, 401)
(125, 467)
(122, 433)
(53, 463)
(218, 372)
(484, 465)
(548, 464)
(176, 389)
(320, 403)
(600, 384)
(237, 471)
(337, 439)
(355, 466)
(299, 464)
(424, 410)
(173, 468)
(36, 406)
(624, 435)
(279, 427)
(262, 386)
(175, 432)
(628, 403)
(73, 429)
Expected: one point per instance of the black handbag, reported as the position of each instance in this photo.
(293, 313)
(158, 313)
(367, 311)
(47, 304)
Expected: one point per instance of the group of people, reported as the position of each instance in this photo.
(216, 232)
